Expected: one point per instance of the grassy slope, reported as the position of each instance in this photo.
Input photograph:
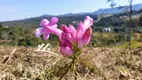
(94, 63)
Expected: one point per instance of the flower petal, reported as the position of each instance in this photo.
(80, 27)
(88, 21)
(63, 50)
(80, 43)
(64, 28)
(54, 30)
(70, 38)
(72, 29)
(69, 51)
(53, 21)
(39, 32)
(73, 33)
(66, 48)
(46, 35)
(80, 30)
(79, 34)
(44, 22)
(87, 36)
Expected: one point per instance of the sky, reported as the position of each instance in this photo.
(21, 9)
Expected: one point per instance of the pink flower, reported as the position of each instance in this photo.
(69, 37)
(48, 27)
(70, 33)
(66, 48)
(84, 32)
(66, 41)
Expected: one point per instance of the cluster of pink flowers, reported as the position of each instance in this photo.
(69, 37)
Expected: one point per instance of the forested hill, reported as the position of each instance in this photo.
(34, 22)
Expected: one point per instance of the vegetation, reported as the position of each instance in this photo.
(24, 36)
(106, 57)
(110, 21)
(95, 63)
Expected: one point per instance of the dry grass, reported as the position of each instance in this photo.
(94, 64)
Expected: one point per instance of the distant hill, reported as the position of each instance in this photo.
(117, 10)
(69, 18)
(35, 21)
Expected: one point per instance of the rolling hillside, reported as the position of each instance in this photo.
(71, 18)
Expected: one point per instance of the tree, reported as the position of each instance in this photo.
(1, 29)
(110, 21)
(140, 20)
(130, 15)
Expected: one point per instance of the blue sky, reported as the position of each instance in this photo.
(20, 9)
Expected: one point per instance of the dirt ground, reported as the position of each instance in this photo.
(21, 63)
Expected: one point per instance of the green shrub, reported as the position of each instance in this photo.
(134, 44)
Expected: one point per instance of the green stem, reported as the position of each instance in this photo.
(74, 68)
(72, 63)
(66, 71)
